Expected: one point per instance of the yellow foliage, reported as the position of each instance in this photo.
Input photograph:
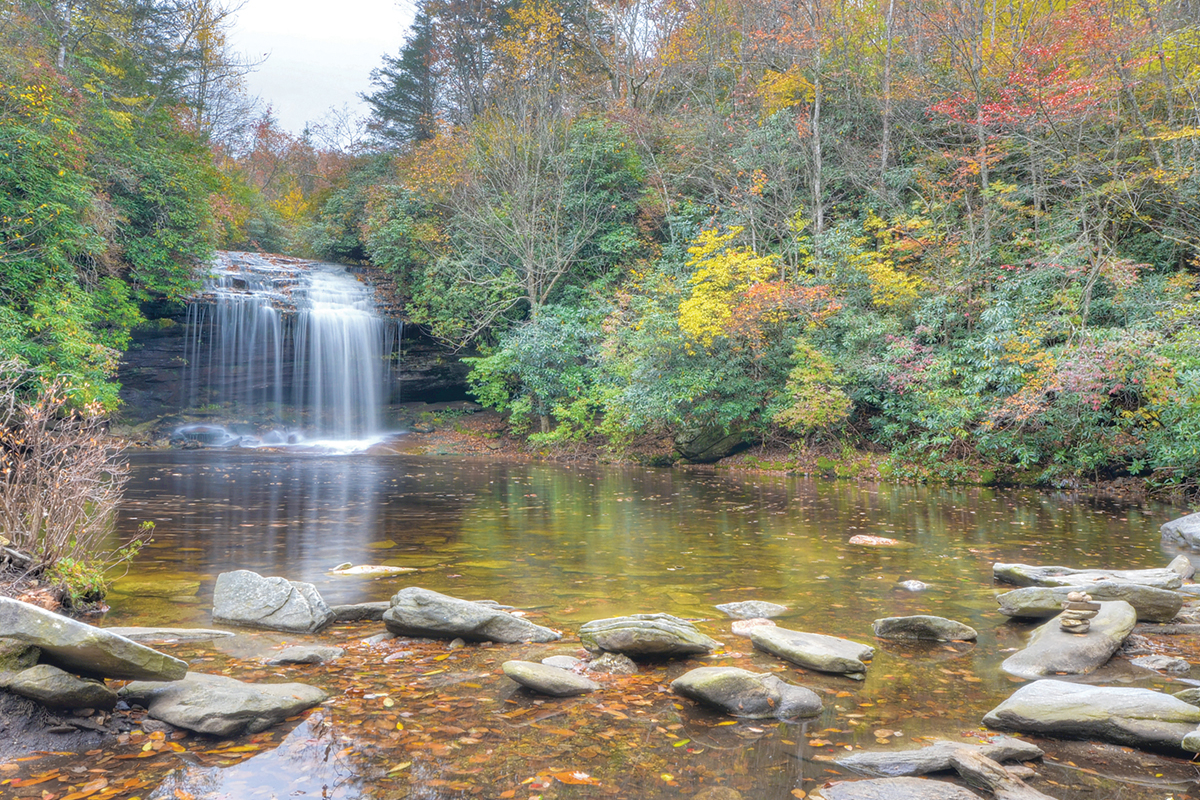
(436, 167)
(780, 90)
(891, 285)
(292, 206)
(720, 273)
(532, 37)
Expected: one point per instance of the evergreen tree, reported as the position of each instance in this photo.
(404, 103)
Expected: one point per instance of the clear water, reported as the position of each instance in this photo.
(569, 544)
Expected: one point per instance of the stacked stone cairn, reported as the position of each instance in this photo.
(1078, 610)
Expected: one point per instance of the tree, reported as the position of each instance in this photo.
(404, 103)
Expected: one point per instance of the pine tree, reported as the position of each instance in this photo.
(404, 103)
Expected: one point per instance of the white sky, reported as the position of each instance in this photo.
(321, 53)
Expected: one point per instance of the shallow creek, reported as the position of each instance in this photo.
(569, 544)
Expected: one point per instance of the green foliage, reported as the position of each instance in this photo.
(812, 399)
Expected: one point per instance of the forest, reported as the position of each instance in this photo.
(961, 234)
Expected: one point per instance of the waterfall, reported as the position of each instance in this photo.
(294, 350)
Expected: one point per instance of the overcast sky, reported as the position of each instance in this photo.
(321, 53)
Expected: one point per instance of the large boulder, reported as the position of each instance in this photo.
(814, 650)
(58, 690)
(1028, 575)
(934, 758)
(421, 612)
(246, 598)
(221, 706)
(1183, 531)
(924, 627)
(896, 789)
(84, 649)
(743, 693)
(547, 679)
(704, 445)
(1135, 717)
(1041, 602)
(1053, 651)
(646, 636)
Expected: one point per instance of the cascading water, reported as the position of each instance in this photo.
(287, 346)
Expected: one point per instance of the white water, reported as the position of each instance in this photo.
(295, 350)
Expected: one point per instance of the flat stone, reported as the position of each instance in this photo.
(562, 662)
(814, 650)
(355, 612)
(1043, 602)
(1183, 531)
(84, 649)
(925, 627)
(379, 638)
(221, 706)
(743, 693)
(58, 690)
(306, 654)
(896, 789)
(372, 570)
(646, 635)
(168, 635)
(421, 612)
(545, 679)
(246, 598)
(1183, 565)
(1174, 666)
(742, 627)
(1027, 575)
(1053, 651)
(1134, 717)
(752, 609)
(935, 757)
(612, 664)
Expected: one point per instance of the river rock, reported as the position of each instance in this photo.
(83, 649)
(897, 789)
(1027, 575)
(913, 585)
(58, 690)
(926, 627)
(935, 757)
(246, 598)
(305, 654)
(1183, 565)
(168, 635)
(814, 650)
(221, 706)
(562, 662)
(1042, 602)
(747, 694)
(1052, 650)
(646, 635)
(554, 681)
(1173, 666)
(752, 609)
(16, 656)
(1184, 531)
(612, 664)
(742, 627)
(355, 612)
(1189, 696)
(372, 570)
(421, 612)
(1135, 717)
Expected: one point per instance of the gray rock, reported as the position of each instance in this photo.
(1184, 531)
(168, 635)
(562, 662)
(935, 757)
(646, 635)
(924, 626)
(1052, 650)
(16, 656)
(554, 681)
(1135, 717)
(354, 612)
(896, 789)
(306, 654)
(707, 444)
(1174, 666)
(421, 612)
(84, 649)
(221, 706)
(1042, 602)
(752, 609)
(246, 598)
(612, 664)
(742, 627)
(747, 694)
(58, 690)
(379, 638)
(1183, 565)
(814, 650)
(1189, 696)
(1027, 575)
(913, 586)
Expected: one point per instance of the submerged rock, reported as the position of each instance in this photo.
(936, 757)
(913, 586)
(1174, 666)
(612, 664)
(896, 789)
(58, 690)
(814, 650)
(1135, 717)
(747, 694)
(646, 635)
(1052, 650)
(926, 627)
(1184, 531)
(1043, 602)
(83, 649)
(306, 654)
(168, 635)
(752, 609)
(221, 706)
(421, 612)
(355, 612)
(546, 679)
(246, 598)
(1027, 575)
